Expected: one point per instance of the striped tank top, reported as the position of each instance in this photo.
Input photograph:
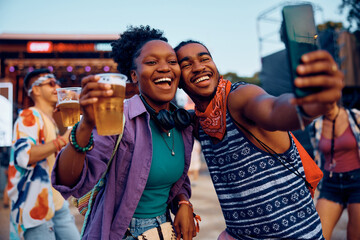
(259, 197)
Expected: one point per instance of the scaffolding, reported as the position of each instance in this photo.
(268, 25)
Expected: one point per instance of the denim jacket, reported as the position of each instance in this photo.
(116, 202)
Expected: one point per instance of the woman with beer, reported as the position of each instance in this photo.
(148, 175)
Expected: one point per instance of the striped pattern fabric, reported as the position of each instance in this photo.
(83, 203)
(259, 197)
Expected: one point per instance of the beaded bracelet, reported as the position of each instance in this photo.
(72, 140)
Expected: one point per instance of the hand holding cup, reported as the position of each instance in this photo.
(101, 102)
(68, 104)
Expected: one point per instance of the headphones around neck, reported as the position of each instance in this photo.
(180, 118)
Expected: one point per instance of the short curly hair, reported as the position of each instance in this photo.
(128, 46)
(184, 43)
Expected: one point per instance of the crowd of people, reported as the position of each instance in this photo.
(242, 131)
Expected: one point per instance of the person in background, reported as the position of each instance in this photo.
(183, 100)
(253, 161)
(4, 165)
(336, 140)
(37, 210)
(149, 171)
(5, 121)
(5, 144)
(195, 164)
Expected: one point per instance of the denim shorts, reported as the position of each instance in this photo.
(139, 225)
(342, 188)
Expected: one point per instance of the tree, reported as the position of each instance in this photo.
(354, 11)
(233, 77)
(330, 25)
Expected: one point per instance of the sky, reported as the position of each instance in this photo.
(231, 29)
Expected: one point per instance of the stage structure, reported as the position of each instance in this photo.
(275, 75)
(69, 56)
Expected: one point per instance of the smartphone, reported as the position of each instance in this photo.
(300, 37)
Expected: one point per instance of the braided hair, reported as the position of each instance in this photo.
(128, 46)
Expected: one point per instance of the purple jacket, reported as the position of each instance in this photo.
(116, 202)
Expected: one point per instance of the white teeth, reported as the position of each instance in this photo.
(162, 80)
(202, 79)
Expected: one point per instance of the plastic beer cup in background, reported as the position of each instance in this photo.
(109, 110)
(68, 103)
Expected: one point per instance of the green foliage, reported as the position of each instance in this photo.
(330, 25)
(354, 11)
(233, 77)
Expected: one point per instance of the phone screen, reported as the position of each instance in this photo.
(300, 37)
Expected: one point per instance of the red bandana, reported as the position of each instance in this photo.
(213, 120)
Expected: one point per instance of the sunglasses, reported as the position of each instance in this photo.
(52, 83)
(40, 80)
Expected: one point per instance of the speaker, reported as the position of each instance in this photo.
(180, 118)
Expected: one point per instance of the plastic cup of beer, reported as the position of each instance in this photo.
(109, 110)
(68, 103)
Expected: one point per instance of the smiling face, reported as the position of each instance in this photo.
(157, 72)
(199, 75)
(46, 90)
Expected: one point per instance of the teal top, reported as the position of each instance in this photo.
(165, 170)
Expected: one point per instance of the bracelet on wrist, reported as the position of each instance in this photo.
(185, 202)
(197, 218)
(75, 145)
(56, 144)
(61, 139)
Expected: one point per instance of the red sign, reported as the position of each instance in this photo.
(73, 47)
(48, 47)
(39, 47)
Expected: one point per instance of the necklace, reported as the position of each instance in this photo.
(332, 162)
(173, 141)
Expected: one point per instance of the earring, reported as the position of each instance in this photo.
(133, 77)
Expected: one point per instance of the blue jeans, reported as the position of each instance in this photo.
(139, 225)
(342, 188)
(61, 226)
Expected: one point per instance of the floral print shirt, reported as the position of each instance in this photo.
(29, 186)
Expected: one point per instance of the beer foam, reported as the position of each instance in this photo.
(66, 100)
(113, 78)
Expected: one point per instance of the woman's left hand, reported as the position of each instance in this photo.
(184, 223)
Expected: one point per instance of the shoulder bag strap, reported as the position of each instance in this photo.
(100, 183)
(113, 154)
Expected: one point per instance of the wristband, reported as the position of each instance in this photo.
(196, 217)
(185, 202)
(62, 140)
(57, 146)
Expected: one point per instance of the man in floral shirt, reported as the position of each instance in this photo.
(37, 210)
